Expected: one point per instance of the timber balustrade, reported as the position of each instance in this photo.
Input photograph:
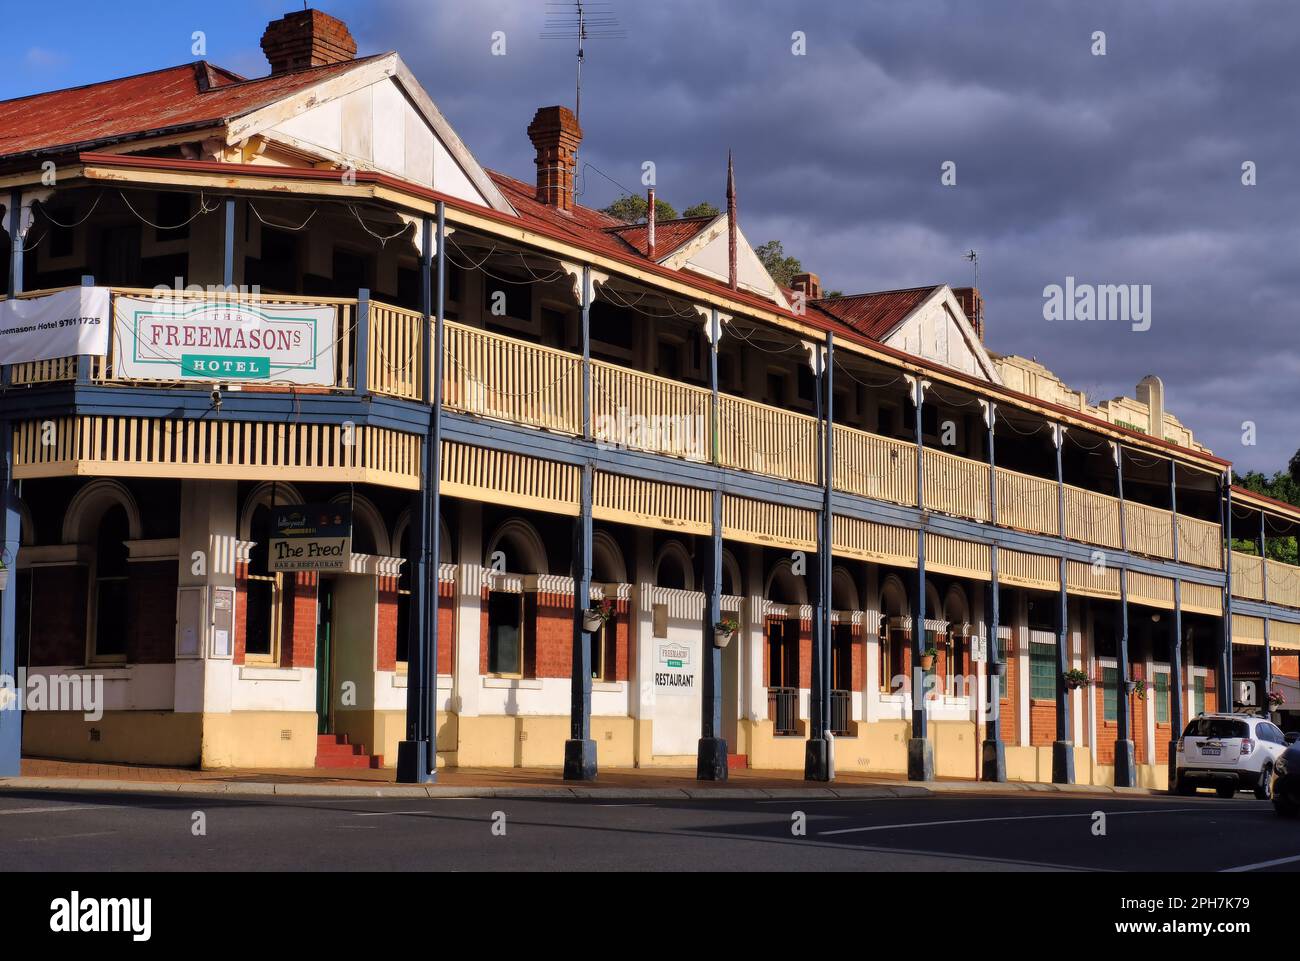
(494, 376)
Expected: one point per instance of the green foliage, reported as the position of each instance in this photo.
(781, 267)
(631, 209)
(702, 209)
(1282, 486)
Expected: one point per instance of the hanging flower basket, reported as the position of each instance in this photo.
(1075, 679)
(1275, 699)
(724, 631)
(927, 659)
(594, 618)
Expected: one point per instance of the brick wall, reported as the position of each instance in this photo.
(58, 635)
(297, 617)
(548, 637)
(1042, 722)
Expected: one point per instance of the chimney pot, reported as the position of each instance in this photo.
(810, 284)
(307, 38)
(972, 305)
(555, 135)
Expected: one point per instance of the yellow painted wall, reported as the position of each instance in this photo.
(497, 741)
(257, 739)
(956, 748)
(135, 737)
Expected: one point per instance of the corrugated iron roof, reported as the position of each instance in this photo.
(193, 95)
(669, 234)
(874, 314)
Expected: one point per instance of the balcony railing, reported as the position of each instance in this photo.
(644, 412)
(1149, 530)
(507, 379)
(874, 466)
(1028, 503)
(494, 376)
(1283, 583)
(783, 710)
(956, 485)
(1247, 576)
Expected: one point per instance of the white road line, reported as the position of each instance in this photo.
(1261, 864)
(1025, 817)
(46, 810)
(383, 814)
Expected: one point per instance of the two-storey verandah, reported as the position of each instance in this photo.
(754, 484)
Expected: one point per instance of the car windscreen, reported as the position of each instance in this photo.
(1218, 727)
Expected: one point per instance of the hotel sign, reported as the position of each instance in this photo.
(65, 324)
(211, 340)
(311, 537)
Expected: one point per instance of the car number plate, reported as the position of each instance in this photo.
(1210, 751)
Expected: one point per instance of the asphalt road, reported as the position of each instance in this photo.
(42, 831)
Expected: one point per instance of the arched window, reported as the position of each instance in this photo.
(264, 589)
(109, 611)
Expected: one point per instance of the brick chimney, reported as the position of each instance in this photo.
(555, 135)
(810, 284)
(306, 38)
(972, 305)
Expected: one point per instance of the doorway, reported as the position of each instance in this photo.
(325, 657)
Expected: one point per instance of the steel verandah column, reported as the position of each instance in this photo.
(1176, 683)
(10, 713)
(1125, 758)
(993, 755)
(817, 759)
(433, 468)
(1266, 676)
(416, 758)
(1063, 747)
(711, 755)
(580, 749)
(228, 246)
(920, 752)
(1225, 625)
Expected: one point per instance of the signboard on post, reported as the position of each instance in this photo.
(311, 537)
(214, 340)
(70, 323)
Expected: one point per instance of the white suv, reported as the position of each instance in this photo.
(1229, 752)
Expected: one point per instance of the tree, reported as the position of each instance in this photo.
(631, 209)
(702, 209)
(1294, 467)
(1282, 486)
(781, 267)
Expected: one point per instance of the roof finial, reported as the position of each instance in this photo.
(731, 222)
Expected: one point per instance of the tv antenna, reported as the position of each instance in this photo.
(973, 256)
(581, 20)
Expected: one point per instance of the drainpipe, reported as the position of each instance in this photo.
(993, 766)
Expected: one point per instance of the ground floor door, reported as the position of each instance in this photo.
(324, 657)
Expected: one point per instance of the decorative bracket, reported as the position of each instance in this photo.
(916, 388)
(990, 410)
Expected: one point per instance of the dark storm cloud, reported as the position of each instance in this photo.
(1117, 169)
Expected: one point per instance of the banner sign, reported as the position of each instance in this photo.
(311, 537)
(224, 341)
(68, 323)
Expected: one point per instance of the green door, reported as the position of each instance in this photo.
(324, 658)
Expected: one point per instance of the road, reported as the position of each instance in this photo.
(114, 831)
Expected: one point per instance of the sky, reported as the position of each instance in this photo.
(1122, 168)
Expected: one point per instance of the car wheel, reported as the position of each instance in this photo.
(1226, 790)
(1264, 789)
(1285, 806)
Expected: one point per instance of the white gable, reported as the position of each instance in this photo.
(376, 117)
(937, 330)
(707, 254)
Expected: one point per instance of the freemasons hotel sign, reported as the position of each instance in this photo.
(224, 341)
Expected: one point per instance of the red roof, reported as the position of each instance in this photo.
(193, 95)
(669, 234)
(874, 315)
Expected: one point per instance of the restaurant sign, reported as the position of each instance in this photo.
(213, 340)
(311, 537)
